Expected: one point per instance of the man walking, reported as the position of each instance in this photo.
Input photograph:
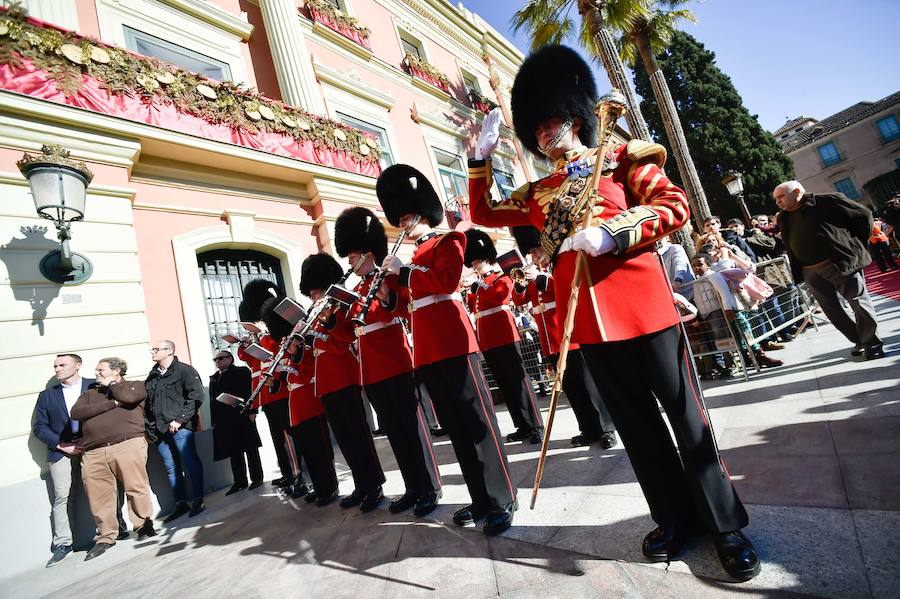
(54, 426)
(112, 413)
(174, 392)
(825, 236)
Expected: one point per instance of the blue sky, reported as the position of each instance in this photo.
(787, 57)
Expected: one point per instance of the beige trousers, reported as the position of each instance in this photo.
(100, 467)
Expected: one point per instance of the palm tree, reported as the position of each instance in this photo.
(645, 28)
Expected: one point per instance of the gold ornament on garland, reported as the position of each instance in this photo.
(65, 57)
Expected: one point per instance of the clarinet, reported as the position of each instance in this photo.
(295, 334)
(360, 319)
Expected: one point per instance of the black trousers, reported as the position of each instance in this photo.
(425, 402)
(505, 363)
(692, 489)
(279, 427)
(312, 439)
(399, 416)
(584, 397)
(239, 466)
(347, 417)
(463, 403)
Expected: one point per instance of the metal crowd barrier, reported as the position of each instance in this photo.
(532, 360)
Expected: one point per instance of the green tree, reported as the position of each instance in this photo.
(721, 133)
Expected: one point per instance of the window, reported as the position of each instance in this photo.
(148, 45)
(829, 154)
(387, 157)
(411, 45)
(335, 3)
(888, 128)
(453, 178)
(470, 82)
(846, 187)
(505, 184)
(223, 274)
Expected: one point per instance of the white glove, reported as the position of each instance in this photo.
(593, 241)
(489, 136)
(392, 264)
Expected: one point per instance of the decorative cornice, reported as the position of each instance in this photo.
(431, 89)
(352, 84)
(94, 189)
(447, 19)
(210, 13)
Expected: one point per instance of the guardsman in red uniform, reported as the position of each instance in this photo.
(445, 352)
(385, 362)
(274, 395)
(489, 302)
(594, 421)
(308, 427)
(626, 321)
(337, 382)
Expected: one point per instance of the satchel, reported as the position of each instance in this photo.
(749, 290)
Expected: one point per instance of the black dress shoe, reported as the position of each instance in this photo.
(59, 554)
(372, 500)
(785, 336)
(181, 508)
(235, 488)
(875, 351)
(663, 543)
(97, 550)
(608, 440)
(499, 518)
(123, 534)
(353, 499)
(255, 484)
(427, 503)
(146, 531)
(197, 506)
(323, 500)
(582, 440)
(469, 515)
(737, 555)
(282, 482)
(298, 490)
(311, 496)
(857, 350)
(535, 437)
(517, 436)
(404, 502)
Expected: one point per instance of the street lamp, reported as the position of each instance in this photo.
(734, 183)
(58, 186)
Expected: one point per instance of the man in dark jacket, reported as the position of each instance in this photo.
(825, 236)
(234, 433)
(174, 392)
(713, 224)
(54, 426)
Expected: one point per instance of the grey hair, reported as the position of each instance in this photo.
(116, 364)
(169, 343)
(790, 186)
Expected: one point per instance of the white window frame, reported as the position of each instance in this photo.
(340, 101)
(224, 66)
(169, 23)
(340, 116)
(465, 73)
(414, 40)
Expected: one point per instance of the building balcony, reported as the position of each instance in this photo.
(51, 64)
(481, 103)
(424, 71)
(339, 22)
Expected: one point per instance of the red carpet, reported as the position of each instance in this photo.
(886, 284)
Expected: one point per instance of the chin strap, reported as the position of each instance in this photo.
(563, 130)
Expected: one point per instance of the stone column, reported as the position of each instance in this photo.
(291, 57)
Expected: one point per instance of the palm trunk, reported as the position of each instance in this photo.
(593, 12)
(674, 132)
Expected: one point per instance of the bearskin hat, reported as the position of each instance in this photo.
(278, 327)
(479, 246)
(360, 230)
(401, 189)
(319, 271)
(554, 81)
(527, 237)
(256, 292)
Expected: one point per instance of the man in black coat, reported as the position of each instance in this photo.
(234, 434)
(174, 393)
(825, 236)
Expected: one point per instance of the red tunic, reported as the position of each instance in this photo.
(440, 330)
(497, 329)
(540, 294)
(383, 353)
(257, 368)
(302, 402)
(336, 366)
(637, 205)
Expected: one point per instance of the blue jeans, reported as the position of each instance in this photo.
(177, 452)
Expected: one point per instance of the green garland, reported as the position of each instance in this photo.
(66, 56)
(339, 16)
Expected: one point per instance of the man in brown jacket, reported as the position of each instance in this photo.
(112, 423)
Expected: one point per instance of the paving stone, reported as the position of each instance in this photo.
(872, 481)
(864, 436)
(879, 539)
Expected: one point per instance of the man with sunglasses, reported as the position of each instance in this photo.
(174, 393)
